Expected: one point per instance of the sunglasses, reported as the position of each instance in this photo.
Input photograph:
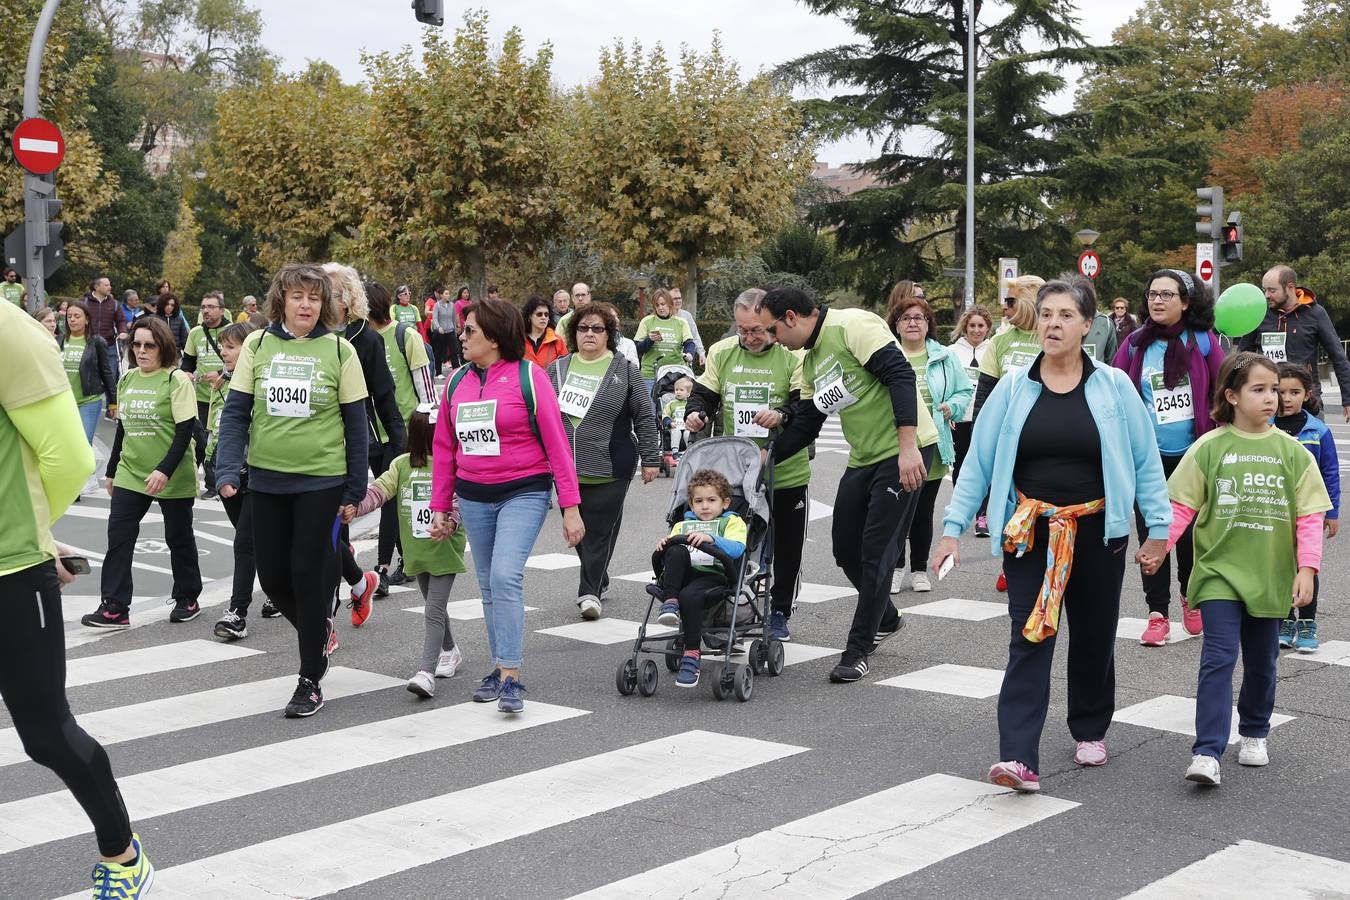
(592, 329)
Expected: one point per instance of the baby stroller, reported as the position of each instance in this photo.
(737, 610)
(675, 438)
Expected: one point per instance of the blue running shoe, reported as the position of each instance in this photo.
(688, 675)
(509, 700)
(1306, 641)
(1288, 631)
(114, 881)
(778, 629)
(490, 688)
(670, 614)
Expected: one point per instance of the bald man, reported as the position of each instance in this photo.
(1294, 327)
(581, 298)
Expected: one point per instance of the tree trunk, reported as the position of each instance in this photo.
(691, 287)
(477, 267)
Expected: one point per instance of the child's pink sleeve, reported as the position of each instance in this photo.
(1182, 517)
(1308, 540)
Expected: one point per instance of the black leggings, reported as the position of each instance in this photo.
(240, 510)
(680, 579)
(32, 683)
(790, 512)
(293, 539)
(1309, 611)
(125, 513)
(920, 529)
(1158, 586)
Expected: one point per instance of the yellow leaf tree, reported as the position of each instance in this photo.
(182, 249)
(676, 168)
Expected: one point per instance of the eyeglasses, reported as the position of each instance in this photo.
(469, 330)
(591, 329)
(757, 331)
(144, 345)
(1164, 296)
(772, 327)
(582, 294)
(913, 320)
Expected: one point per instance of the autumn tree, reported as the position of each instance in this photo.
(287, 156)
(459, 168)
(1277, 118)
(675, 168)
(182, 250)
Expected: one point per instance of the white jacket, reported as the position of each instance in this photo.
(970, 358)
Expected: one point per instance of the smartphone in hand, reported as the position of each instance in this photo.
(76, 565)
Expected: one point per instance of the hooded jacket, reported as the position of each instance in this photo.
(1307, 326)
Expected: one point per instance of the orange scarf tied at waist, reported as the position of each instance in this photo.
(1018, 537)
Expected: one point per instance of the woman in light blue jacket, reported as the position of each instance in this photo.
(946, 389)
(1065, 447)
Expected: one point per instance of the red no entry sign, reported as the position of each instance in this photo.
(1089, 264)
(38, 146)
(1207, 271)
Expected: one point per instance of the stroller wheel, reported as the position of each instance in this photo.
(721, 683)
(626, 678)
(744, 684)
(647, 679)
(674, 650)
(776, 658)
(759, 657)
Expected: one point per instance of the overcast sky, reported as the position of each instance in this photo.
(757, 33)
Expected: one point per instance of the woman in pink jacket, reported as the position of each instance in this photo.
(502, 461)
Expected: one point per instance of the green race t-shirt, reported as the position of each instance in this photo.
(579, 387)
(411, 489)
(669, 351)
(149, 408)
(919, 363)
(298, 386)
(71, 354)
(728, 525)
(1010, 349)
(208, 360)
(401, 367)
(835, 377)
(749, 382)
(32, 371)
(1247, 489)
(216, 407)
(409, 314)
(13, 292)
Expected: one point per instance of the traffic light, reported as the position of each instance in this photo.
(1231, 239)
(430, 12)
(1210, 207)
(49, 209)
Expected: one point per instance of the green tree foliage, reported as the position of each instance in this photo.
(459, 162)
(678, 168)
(904, 82)
(182, 252)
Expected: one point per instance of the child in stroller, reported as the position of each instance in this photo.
(687, 573)
(674, 435)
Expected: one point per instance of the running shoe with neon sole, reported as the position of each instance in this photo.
(1305, 637)
(1288, 632)
(1013, 774)
(1191, 620)
(449, 662)
(1156, 631)
(115, 881)
(107, 616)
(360, 604)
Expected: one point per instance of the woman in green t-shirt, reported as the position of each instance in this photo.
(663, 338)
(88, 363)
(150, 462)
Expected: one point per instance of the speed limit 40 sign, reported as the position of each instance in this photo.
(1089, 264)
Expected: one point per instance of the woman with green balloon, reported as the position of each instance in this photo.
(1173, 358)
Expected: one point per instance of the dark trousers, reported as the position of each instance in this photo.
(298, 564)
(33, 686)
(602, 514)
(870, 510)
(680, 579)
(200, 436)
(961, 440)
(124, 527)
(1092, 607)
(1228, 630)
(1158, 586)
(920, 535)
(381, 457)
(790, 510)
(1309, 611)
(240, 510)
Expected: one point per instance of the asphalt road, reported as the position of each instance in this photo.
(809, 789)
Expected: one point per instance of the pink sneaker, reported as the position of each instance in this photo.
(1090, 753)
(1155, 635)
(1014, 775)
(1190, 619)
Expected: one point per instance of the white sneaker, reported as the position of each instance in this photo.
(423, 685)
(449, 662)
(918, 582)
(1253, 752)
(590, 607)
(1203, 770)
(897, 582)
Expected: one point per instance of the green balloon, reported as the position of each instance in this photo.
(1240, 310)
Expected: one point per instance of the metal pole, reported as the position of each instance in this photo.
(35, 190)
(1217, 267)
(970, 158)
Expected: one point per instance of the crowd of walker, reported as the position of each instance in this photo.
(1195, 443)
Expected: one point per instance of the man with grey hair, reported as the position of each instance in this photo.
(250, 307)
(754, 380)
(581, 298)
(562, 302)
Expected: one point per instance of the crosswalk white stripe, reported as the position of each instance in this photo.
(1237, 870)
(155, 717)
(848, 849)
(320, 861)
(148, 660)
(54, 816)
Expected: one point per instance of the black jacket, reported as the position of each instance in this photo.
(96, 375)
(1307, 326)
(380, 398)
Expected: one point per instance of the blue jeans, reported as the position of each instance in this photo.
(89, 413)
(502, 535)
(1229, 629)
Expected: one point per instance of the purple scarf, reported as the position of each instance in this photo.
(1175, 358)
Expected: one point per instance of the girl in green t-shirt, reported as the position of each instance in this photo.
(433, 559)
(1258, 501)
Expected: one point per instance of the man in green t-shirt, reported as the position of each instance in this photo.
(201, 360)
(12, 289)
(754, 381)
(852, 367)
